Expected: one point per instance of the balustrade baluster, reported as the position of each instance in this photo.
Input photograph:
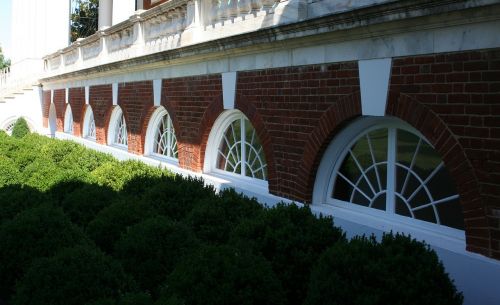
(244, 6)
(214, 12)
(267, 4)
(223, 10)
(233, 8)
(256, 5)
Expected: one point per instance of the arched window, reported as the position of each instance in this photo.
(52, 119)
(235, 148)
(68, 120)
(89, 124)
(117, 131)
(383, 165)
(160, 137)
(8, 128)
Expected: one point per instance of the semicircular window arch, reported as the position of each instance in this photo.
(68, 120)
(117, 131)
(161, 141)
(89, 130)
(236, 147)
(390, 167)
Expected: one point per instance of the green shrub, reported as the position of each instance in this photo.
(14, 199)
(292, 239)
(86, 201)
(175, 196)
(116, 174)
(74, 276)
(20, 128)
(137, 298)
(212, 219)
(34, 233)
(150, 249)
(43, 175)
(9, 172)
(112, 221)
(398, 270)
(85, 159)
(216, 275)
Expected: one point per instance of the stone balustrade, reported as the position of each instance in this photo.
(178, 23)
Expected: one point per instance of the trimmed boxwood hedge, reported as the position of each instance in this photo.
(398, 270)
(79, 227)
(73, 276)
(34, 233)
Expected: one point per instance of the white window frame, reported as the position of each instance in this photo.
(149, 145)
(9, 123)
(383, 220)
(115, 119)
(68, 120)
(89, 116)
(9, 126)
(211, 154)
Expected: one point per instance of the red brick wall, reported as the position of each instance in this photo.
(136, 101)
(187, 100)
(76, 98)
(60, 104)
(454, 100)
(101, 101)
(45, 108)
(291, 102)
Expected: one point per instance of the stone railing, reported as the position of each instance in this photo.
(4, 77)
(178, 23)
(19, 75)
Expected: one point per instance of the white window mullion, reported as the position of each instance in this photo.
(391, 171)
(243, 151)
(169, 138)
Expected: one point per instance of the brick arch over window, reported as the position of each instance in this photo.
(452, 153)
(337, 115)
(45, 108)
(76, 98)
(101, 101)
(214, 109)
(60, 103)
(136, 102)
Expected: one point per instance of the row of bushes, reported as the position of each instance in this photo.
(79, 227)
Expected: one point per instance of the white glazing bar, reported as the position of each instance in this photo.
(391, 171)
(243, 148)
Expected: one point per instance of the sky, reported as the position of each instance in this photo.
(5, 12)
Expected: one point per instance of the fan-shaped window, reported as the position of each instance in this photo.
(9, 127)
(160, 137)
(390, 167)
(117, 133)
(239, 150)
(68, 120)
(89, 131)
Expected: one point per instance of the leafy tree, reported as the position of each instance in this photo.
(4, 63)
(20, 128)
(83, 18)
